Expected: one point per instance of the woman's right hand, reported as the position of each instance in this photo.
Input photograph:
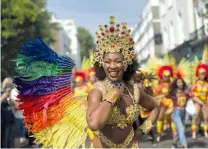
(113, 95)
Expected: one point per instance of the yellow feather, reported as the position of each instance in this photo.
(205, 54)
(185, 67)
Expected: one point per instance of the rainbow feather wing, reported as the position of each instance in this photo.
(44, 86)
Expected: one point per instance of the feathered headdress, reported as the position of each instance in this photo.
(79, 76)
(184, 71)
(91, 71)
(114, 38)
(166, 70)
(160, 68)
(200, 67)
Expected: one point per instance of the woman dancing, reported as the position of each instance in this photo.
(113, 103)
(57, 120)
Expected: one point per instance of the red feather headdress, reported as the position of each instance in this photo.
(91, 71)
(79, 76)
(201, 68)
(165, 70)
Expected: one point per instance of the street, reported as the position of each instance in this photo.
(166, 141)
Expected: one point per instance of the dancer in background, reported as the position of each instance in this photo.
(179, 95)
(91, 77)
(200, 94)
(81, 90)
(165, 72)
(147, 81)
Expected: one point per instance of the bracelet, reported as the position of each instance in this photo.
(108, 102)
(146, 127)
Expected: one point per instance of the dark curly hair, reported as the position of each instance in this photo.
(127, 75)
(173, 87)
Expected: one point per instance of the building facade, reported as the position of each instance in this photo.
(61, 45)
(147, 34)
(177, 22)
(184, 28)
(70, 29)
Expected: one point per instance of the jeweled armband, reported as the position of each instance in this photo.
(146, 127)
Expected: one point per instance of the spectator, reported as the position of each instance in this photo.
(20, 132)
(7, 116)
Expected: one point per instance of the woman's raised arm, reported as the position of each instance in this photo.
(98, 109)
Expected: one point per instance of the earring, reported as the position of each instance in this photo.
(125, 68)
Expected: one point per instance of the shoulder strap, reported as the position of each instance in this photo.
(136, 93)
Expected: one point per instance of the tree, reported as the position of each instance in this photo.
(22, 20)
(86, 42)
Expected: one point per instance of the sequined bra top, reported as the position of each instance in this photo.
(200, 90)
(116, 118)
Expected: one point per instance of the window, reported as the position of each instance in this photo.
(165, 39)
(180, 28)
(172, 36)
(158, 39)
(162, 8)
(155, 12)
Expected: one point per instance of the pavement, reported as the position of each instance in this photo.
(166, 140)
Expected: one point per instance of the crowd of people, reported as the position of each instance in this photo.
(112, 102)
(178, 91)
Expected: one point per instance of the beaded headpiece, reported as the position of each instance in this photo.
(112, 39)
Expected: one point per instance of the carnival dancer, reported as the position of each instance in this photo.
(57, 120)
(81, 90)
(91, 77)
(200, 94)
(113, 102)
(145, 81)
(179, 95)
(165, 73)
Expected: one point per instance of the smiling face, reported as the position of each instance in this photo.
(202, 76)
(179, 84)
(166, 78)
(113, 66)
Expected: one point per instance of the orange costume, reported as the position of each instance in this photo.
(163, 89)
(200, 88)
(200, 95)
(91, 72)
(81, 90)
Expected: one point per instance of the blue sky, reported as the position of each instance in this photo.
(91, 13)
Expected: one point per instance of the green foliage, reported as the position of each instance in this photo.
(21, 20)
(86, 42)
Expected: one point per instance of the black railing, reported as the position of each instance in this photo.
(198, 34)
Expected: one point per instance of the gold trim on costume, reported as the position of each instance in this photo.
(110, 144)
(146, 127)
